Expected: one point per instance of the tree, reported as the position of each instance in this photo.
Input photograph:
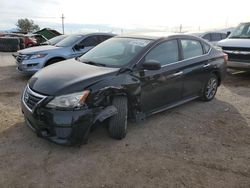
(27, 26)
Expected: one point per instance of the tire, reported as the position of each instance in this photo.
(117, 127)
(52, 61)
(210, 88)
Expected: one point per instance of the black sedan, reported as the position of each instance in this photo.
(124, 77)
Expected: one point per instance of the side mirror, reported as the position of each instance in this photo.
(228, 33)
(79, 46)
(151, 65)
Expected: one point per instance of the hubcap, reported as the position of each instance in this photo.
(211, 88)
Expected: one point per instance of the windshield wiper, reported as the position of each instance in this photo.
(94, 63)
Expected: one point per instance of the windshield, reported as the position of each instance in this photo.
(115, 52)
(55, 40)
(242, 31)
(69, 41)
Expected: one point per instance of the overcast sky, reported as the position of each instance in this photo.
(126, 14)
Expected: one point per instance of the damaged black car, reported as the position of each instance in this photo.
(126, 77)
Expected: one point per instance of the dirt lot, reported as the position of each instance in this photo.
(195, 145)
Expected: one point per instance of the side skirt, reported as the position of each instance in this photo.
(171, 106)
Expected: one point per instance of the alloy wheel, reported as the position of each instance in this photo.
(211, 88)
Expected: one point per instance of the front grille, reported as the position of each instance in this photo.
(240, 54)
(20, 58)
(31, 98)
(239, 57)
(236, 49)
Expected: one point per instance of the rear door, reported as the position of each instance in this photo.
(160, 88)
(196, 67)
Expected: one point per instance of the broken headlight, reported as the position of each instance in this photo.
(74, 100)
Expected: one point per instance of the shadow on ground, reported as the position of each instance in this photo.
(195, 145)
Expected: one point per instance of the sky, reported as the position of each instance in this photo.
(125, 15)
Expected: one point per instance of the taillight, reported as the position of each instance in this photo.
(225, 56)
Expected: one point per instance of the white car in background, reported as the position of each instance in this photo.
(237, 47)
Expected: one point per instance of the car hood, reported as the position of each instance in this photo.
(68, 77)
(38, 49)
(243, 43)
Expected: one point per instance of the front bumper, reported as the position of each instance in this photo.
(61, 127)
(238, 65)
(24, 71)
(30, 67)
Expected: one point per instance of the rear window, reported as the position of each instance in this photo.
(191, 48)
(104, 37)
(215, 37)
(206, 48)
(207, 37)
(90, 41)
(223, 35)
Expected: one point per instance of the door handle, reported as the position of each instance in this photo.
(206, 65)
(178, 73)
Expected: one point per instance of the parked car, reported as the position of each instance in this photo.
(31, 60)
(54, 40)
(212, 37)
(36, 39)
(29, 39)
(237, 46)
(123, 77)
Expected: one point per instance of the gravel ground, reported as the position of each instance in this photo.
(195, 145)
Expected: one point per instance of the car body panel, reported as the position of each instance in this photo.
(63, 79)
(244, 43)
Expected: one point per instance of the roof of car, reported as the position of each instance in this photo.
(97, 33)
(153, 35)
(207, 32)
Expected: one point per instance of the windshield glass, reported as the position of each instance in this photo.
(55, 40)
(69, 41)
(242, 31)
(115, 52)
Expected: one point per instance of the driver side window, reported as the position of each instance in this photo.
(89, 41)
(165, 53)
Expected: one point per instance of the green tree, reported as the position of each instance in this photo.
(27, 26)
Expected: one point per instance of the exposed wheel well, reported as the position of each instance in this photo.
(54, 60)
(217, 74)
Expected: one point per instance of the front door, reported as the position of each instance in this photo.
(160, 88)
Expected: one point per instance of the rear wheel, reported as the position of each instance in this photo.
(117, 127)
(210, 88)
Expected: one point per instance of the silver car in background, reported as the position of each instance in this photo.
(31, 60)
(212, 37)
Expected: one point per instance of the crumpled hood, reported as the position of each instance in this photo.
(68, 77)
(244, 43)
(38, 49)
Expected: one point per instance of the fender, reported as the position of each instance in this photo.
(124, 84)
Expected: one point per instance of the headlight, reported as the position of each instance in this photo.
(73, 100)
(35, 56)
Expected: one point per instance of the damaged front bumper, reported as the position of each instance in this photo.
(65, 127)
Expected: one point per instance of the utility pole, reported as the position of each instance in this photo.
(63, 22)
(180, 28)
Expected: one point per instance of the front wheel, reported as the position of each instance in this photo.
(210, 88)
(118, 123)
